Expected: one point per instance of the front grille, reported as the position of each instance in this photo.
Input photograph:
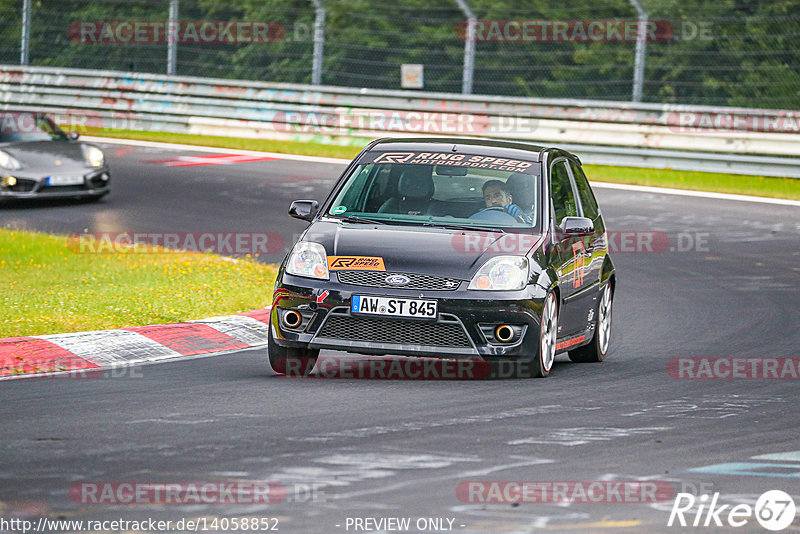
(23, 186)
(395, 332)
(416, 281)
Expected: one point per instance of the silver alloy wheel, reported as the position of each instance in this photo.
(549, 332)
(604, 320)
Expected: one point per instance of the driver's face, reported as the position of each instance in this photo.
(494, 196)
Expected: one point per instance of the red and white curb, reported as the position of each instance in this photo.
(62, 353)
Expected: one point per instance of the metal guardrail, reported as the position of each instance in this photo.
(742, 141)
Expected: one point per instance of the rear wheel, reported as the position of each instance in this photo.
(596, 350)
(291, 361)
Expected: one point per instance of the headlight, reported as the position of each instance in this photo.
(308, 259)
(8, 162)
(501, 273)
(93, 155)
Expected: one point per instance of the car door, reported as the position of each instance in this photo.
(569, 251)
(595, 245)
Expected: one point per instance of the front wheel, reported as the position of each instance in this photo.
(291, 361)
(548, 332)
(539, 366)
(596, 350)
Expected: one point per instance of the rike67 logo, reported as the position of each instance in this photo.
(774, 510)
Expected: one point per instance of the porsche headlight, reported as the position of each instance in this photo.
(7, 161)
(93, 155)
(501, 273)
(308, 259)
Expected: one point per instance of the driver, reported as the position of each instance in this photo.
(496, 195)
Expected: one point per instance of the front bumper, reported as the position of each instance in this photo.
(26, 187)
(463, 326)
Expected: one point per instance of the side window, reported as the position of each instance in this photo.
(584, 191)
(561, 192)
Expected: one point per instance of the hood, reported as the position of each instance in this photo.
(41, 158)
(414, 249)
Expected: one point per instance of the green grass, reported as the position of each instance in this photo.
(47, 286)
(700, 181)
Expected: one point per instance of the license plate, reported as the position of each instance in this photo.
(394, 307)
(70, 179)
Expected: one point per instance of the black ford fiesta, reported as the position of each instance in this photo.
(449, 248)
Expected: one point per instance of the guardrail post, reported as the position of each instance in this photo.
(641, 48)
(25, 43)
(319, 42)
(469, 48)
(172, 38)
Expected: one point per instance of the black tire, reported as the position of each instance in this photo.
(294, 361)
(597, 349)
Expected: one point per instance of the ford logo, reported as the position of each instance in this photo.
(397, 280)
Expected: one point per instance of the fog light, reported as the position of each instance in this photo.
(9, 181)
(104, 176)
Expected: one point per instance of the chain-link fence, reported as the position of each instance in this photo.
(715, 52)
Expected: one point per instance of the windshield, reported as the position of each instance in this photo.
(470, 191)
(20, 126)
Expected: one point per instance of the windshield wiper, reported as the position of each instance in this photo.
(457, 226)
(358, 219)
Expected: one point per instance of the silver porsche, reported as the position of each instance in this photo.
(39, 160)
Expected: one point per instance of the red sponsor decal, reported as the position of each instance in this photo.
(578, 263)
(570, 342)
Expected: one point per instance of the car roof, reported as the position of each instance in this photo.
(495, 147)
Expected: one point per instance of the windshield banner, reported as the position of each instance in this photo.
(448, 158)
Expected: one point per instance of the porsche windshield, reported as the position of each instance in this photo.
(497, 193)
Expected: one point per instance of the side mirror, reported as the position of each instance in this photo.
(577, 225)
(73, 135)
(304, 209)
